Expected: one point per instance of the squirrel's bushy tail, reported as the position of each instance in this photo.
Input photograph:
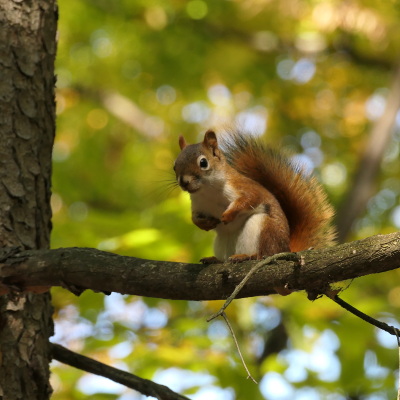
(302, 198)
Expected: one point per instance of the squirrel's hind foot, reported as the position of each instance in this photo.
(238, 258)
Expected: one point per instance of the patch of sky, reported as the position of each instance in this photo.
(196, 112)
(267, 317)
(101, 43)
(91, 384)
(178, 379)
(253, 120)
(395, 217)
(217, 330)
(372, 369)
(69, 326)
(274, 387)
(375, 104)
(382, 201)
(214, 393)
(310, 139)
(301, 71)
(166, 94)
(219, 95)
(385, 339)
(121, 350)
(304, 163)
(321, 359)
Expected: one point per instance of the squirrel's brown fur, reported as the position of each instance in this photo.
(301, 198)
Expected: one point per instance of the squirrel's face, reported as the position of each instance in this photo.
(198, 164)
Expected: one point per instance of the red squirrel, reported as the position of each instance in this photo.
(258, 202)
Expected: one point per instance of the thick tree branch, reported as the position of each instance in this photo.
(144, 386)
(78, 269)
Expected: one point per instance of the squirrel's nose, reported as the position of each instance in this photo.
(184, 182)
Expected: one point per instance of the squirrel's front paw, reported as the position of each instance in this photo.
(227, 217)
(206, 222)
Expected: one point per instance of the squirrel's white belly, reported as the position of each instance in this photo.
(238, 237)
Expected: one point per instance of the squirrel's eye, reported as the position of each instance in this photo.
(203, 162)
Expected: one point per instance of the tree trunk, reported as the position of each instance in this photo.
(27, 125)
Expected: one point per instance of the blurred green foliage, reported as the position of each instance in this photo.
(132, 76)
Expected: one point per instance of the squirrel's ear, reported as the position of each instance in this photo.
(210, 141)
(182, 142)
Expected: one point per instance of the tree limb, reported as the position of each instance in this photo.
(144, 386)
(78, 269)
(363, 182)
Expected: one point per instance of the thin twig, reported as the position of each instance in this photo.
(398, 340)
(144, 386)
(268, 260)
(238, 348)
(398, 346)
(379, 324)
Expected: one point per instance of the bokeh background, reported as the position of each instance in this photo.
(313, 76)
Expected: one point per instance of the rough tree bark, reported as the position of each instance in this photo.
(27, 126)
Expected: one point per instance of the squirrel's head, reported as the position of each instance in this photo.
(199, 164)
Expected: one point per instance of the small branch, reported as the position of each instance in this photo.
(381, 325)
(398, 371)
(130, 113)
(124, 109)
(144, 386)
(238, 348)
(254, 269)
